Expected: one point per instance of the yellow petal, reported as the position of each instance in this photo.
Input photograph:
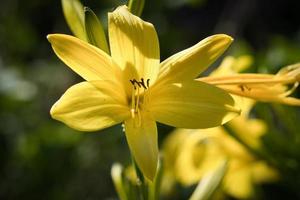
(261, 87)
(263, 92)
(86, 60)
(141, 134)
(231, 65)
(238, 181)
(263, 173)
(91, 106)
(188, 64)
(134, 45)
(172, 146)
(191, 105)
(200, 154)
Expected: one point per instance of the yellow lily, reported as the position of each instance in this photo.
(132, 87)
(190, 154)
(248, 130)
(261, 87)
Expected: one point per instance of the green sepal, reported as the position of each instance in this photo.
(136, 6)
(94, 30)
(74, 15)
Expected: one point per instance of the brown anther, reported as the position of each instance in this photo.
(140, 84)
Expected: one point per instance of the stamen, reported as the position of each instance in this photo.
(141, 83)
(132, 110)
(133, 81)
(138, 121)
(135, 98)
(244, 87)
(148, 82)
(290, 91)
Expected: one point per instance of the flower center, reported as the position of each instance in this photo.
(138, 97)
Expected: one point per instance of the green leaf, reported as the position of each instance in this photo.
(74, 15)
(136, 6)
(209, 184)
(94, 30)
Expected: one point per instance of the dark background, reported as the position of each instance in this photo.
(41, 158)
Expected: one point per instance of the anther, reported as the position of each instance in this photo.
(244, 87)
(133, 81)
(140, 84)
(143, 83)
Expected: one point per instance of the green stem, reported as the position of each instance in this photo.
(141, 182)
(116, 174)
(154, 187)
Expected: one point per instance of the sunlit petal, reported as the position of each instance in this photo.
(200, 154)
(86, 60)
(241, 176)
(188, 64)
(261, 87)
(192, 105)
(263, 173)
(141, 134)
(91, 106)
(231, 65)
(134, 44)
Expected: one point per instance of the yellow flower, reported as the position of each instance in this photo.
(132, 87)
(254, 127)
(261, 87)
(190, 154)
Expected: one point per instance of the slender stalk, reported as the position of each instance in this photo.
(141, 182)
(116, 174)
(154, 187)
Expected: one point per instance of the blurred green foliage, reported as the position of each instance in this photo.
(43, 159)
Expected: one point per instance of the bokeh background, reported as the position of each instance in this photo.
(41, 158)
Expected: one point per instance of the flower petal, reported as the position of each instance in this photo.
(86, 60)
(134, 44)
(241, 176)
(91, 106)
(264, 92)
(188, 64)
(141, 134)
(191, 105)
(261, 87)
(200, 154)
